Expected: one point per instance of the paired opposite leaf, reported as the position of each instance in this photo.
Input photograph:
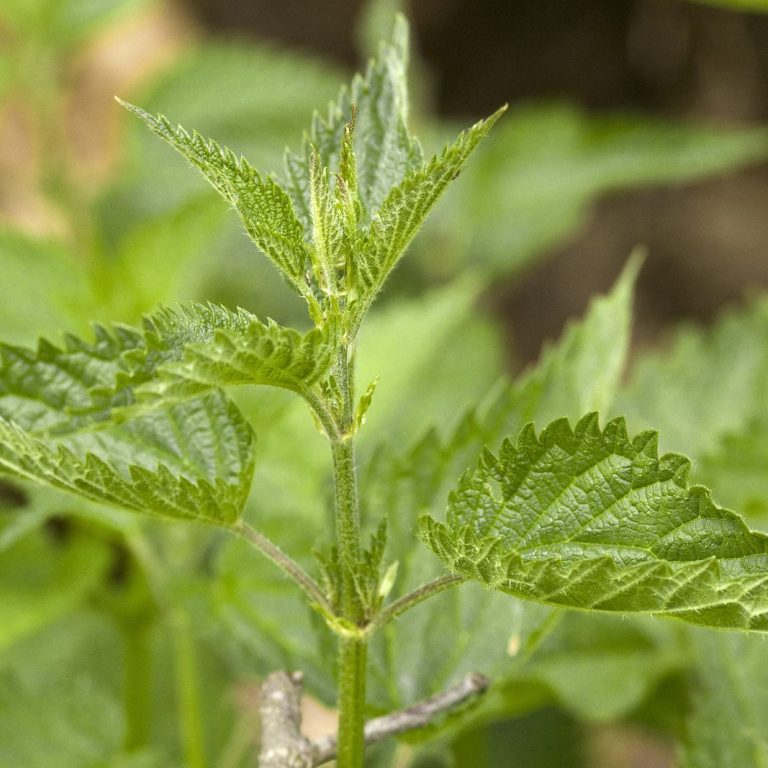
(193, 460)
(588, 518)
(353, 199)
(264, 207)
(198, 348)
(404, 210)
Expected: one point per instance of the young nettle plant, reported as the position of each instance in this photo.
(584, 517)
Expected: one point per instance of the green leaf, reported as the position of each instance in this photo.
(197, 348)
(384, 149)
(60, 694)
(726, 727)
(160, 259)
(587, 518)
(264, 207)
(580, 373)
(193, 460)
(404, 210)
(401, 484)
(270, 92)
(598, 667)
(65, 23)
(674, 390)
(43, 289)
(42, 580)
(737, 470)
(52, 389)
(403, 343)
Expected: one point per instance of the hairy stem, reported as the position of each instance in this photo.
(416, 716)
(351, 735)
(353, 652)
(408, 601)
(289, 566)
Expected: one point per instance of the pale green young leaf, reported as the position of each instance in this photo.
(404, 210)
(589, 519)
(193, 460)
(264, 207)
(384, 149)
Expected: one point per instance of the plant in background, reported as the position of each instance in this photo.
(580, 516)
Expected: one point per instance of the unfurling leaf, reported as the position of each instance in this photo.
(384, 149)
(587, 518)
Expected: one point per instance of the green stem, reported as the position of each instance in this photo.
(408, 601)
(352, 651)
(289, 566)
(188, 692)
(137, 685)
(351, 733)
(347, 512)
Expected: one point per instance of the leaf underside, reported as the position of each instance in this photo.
(587, 518)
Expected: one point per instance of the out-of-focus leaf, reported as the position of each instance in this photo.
(43, 289)
(674, 392)
(41, 580)
(64, 23)
(159, 261)
(404, 344)
(599, 667)
(727, 726)
(531, 185)
(60, 698)
(737, 469)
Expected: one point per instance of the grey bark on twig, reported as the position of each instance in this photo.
(404, 720)
(283, 746)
